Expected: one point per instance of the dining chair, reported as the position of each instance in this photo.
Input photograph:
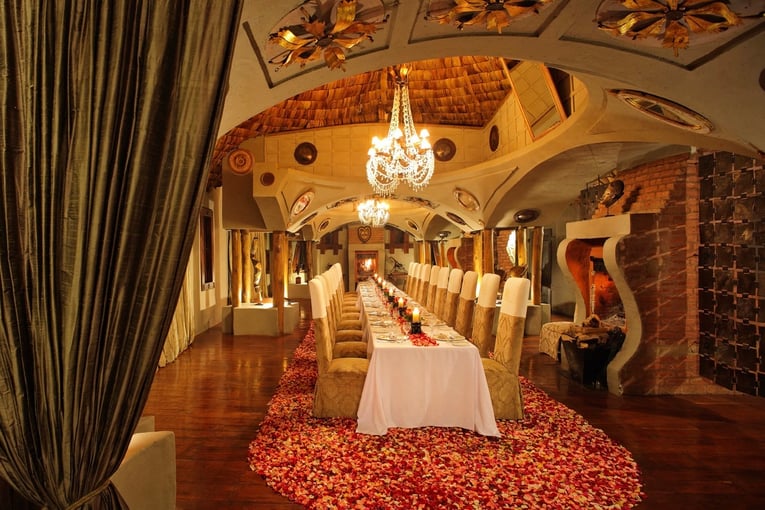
(483, 315)
(345, 342)
(430, 296)
(451, 301)
(422, 285)
(349, 300)
(463, 320)
(502, 369)
(340, 380)
(345, 329)
(440, 295)
(409, 277)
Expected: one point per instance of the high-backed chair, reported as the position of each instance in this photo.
(449, 309)
(440, 296)
(502, 370)
(410, 276)
(348, 300)
(483, 315)
(463, 321)
(340, 380)
(422, 284)
(430, 297)
(344, 329)
(345, 343)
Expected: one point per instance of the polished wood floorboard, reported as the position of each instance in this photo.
(695, 452)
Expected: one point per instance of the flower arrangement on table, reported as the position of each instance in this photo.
(422, 340)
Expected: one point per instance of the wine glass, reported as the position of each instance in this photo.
(406, 327)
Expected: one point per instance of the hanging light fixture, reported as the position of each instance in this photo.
(402, 155)
(374, 212)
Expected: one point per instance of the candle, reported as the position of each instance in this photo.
(416, 315)
(401, 302)
(390, 291)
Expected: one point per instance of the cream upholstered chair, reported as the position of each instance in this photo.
(340, 380)
(483, 315)
(463, 321)
(348, 300)
(449, 310)
(345, 343)
(410, 276)
(422, 284)
(344, 330)
(440, 297)
(430, 296)
(502, 370)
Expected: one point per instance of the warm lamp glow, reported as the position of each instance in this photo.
(402, 155)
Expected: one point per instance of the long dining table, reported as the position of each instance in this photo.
(411, 385)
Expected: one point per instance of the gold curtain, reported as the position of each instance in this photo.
(110, 113)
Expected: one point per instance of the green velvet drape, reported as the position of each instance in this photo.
(109, 112)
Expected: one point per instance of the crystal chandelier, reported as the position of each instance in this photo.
(402, 155)
(374, 212)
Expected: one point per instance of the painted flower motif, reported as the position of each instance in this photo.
(551, 459)
(671, 21)
(326, 28)
(496, 14)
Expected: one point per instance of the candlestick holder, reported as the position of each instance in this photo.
(416, 328)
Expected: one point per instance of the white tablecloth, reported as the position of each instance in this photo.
(411, 386)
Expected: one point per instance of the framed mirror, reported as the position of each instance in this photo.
(537, 97)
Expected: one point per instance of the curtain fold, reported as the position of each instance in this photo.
(182, 331)
(110, 112)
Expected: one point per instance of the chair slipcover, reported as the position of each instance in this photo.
(449, 309)
(463, 321)
(430, 294)
(483, 315)
(340, 380)
(440, 297)
(502, 371)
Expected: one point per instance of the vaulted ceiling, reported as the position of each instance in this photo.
(459, 78)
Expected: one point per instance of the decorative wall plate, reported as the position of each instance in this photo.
(365, 233)
(493, 138)
(412, 225)
(323, 225)
(455, 218)
(444, 149)
(526, 215)
(267, 179)
(466, 199)
(305, 153)
(301, 203)
(240, 161)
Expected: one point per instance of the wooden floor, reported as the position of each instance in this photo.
(699, 452)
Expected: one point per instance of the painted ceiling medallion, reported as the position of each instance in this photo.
(665, 110)
(669, 21)
(240, 161)
(305, 153)
(444, 149)
(325, 28)
(496, 14)
(302, 202)
(466, 199)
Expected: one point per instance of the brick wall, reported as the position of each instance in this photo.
(659, 266)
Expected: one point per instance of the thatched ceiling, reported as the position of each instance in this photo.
(458, 91)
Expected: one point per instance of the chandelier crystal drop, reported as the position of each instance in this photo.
(402, 155)
(374, 212)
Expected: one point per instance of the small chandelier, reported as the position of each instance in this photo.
(374, 212)
(402, 155)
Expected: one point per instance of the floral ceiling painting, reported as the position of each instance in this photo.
(325, 28)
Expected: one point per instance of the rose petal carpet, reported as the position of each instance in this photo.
(552, 459)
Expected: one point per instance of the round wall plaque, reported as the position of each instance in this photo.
(305, 153)
(444, 149)
(494, 138)
(240, 161)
